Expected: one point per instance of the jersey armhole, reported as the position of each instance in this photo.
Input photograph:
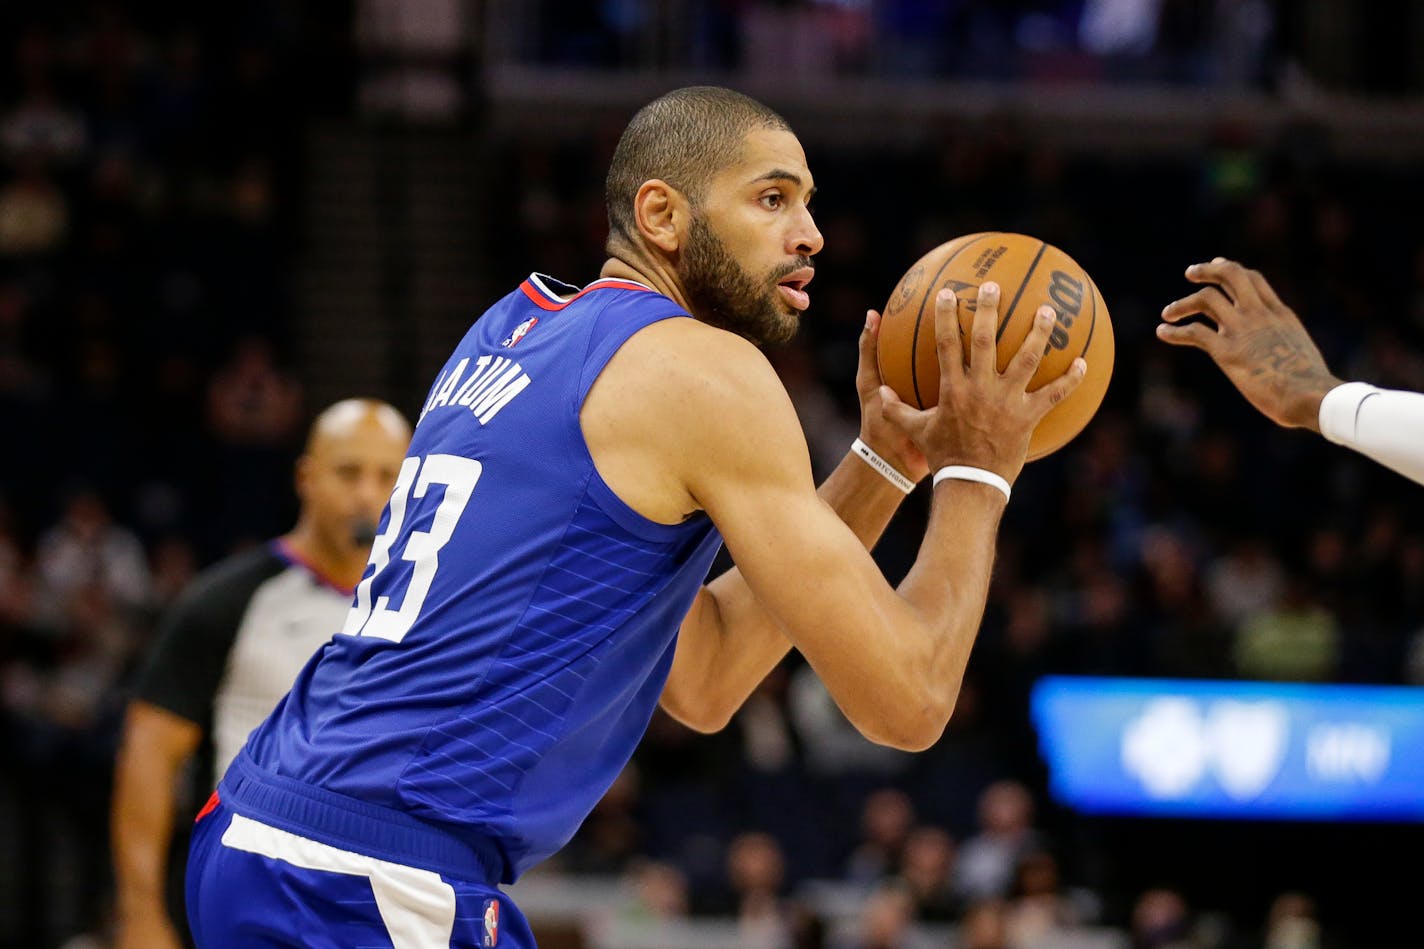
(604, 342)
(630, 520)
(603, 346)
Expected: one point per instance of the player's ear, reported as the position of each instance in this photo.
(662, 214)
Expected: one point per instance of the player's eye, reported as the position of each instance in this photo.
(772, 201)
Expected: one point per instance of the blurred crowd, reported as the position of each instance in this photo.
(150, 406)
(1222, 44)
(148, 411)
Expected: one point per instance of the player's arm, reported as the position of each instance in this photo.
(1385, 425)
(1263, 348)
(156, 744)
(707, 682)
(173, 694)
(892, 659)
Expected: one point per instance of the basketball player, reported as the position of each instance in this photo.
(1264, 350)
(234, 642)
(537, 585)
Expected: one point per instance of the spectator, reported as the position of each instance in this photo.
(1292, 924)
(41, 127)
(1041, 909)
(254, 415)
(1161, 920)
(1247, 580)
(987, 860)
(927, 874)
(885, 822)
(252, 403)
(985, 925)
(769, 744)
(660, 891)
(34, 216)
(886, 919)
(1296, 640)
(87, 547)
(756, 875)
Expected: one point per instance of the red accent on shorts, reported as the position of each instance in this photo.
(208, 808)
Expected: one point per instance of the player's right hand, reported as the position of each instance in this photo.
(883, 436)
(984, 417)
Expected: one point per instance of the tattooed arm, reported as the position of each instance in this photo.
(1264, 350)
(1258, 342)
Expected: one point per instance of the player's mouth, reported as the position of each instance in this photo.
(793, 287)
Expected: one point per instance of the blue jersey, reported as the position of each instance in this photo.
(513, 631)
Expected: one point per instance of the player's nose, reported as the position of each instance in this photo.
(806, 239)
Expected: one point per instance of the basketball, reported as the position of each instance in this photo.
(1030, 273)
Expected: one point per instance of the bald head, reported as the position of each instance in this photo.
(353, 455)
(346, 418)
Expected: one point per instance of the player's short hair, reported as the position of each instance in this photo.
(683, 138)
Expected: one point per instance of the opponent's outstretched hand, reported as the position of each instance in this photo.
(984, 417)
(1257, 341)
(888, 440)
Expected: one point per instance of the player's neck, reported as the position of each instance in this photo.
(661, 279)
(338, 566)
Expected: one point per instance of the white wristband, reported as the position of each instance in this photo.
(868, 455)
(966, 473)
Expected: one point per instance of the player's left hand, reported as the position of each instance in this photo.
(888, 441)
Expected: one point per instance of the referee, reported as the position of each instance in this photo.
(230, 648)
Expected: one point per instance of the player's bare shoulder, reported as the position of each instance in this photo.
(676, 398)
(674, 372)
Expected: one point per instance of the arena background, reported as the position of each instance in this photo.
(216, 219)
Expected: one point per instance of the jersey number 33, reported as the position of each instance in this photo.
(457, 476)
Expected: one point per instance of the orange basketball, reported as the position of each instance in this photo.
(1030, 273)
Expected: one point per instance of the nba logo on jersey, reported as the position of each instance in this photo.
(490, 939)
(519, 332)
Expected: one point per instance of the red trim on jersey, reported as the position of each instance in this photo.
(208, 808)
(543, 302)
(289, 554)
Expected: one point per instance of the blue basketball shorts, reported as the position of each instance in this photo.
(253, 885)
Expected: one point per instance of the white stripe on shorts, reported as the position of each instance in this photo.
(417, 906)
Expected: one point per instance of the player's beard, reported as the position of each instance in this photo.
(721, 293)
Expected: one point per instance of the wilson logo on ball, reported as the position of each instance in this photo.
(1066, 295)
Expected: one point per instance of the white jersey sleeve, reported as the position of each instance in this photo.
(1383, 424)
